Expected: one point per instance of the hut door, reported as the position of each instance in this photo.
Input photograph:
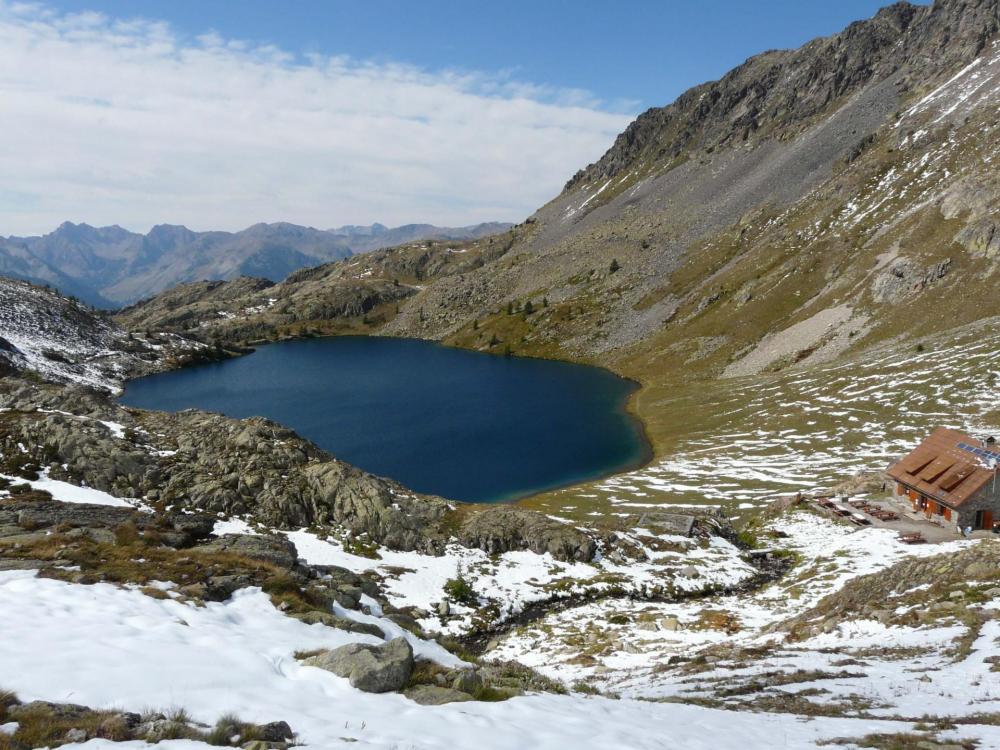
(984, 519)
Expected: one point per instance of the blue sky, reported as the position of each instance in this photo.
(640, 54)
(219, 114)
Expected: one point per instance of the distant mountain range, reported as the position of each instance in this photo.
(110, 266)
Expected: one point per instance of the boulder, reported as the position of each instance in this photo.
(468, 681)
(98, 536)
(347, 596)
(220, 588)
(274, 549)
(378, 668)
(670, 623)
(432, 695)
(76, 735)
(275, 731)
(194, 525)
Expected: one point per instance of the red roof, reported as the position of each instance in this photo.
(940, 469)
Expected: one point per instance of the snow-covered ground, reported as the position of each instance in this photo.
(631, 647)
(68, 493)
(515, 579)
(106, 646)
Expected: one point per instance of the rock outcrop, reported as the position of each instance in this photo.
(207, 462)
(274, 549)
(503, 528)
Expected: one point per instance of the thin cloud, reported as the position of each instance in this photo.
(123, 121)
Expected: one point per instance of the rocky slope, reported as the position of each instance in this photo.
(110, 266)
(48, 335)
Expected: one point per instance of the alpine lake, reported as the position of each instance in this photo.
(460, 424)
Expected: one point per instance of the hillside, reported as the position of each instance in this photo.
(811, 205)
(109, 266)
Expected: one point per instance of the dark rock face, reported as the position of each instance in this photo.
(373, 669)
(502, 528)
(275, 731)
(904, 278)
(776, 92)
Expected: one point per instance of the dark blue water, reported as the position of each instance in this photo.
(443, 421)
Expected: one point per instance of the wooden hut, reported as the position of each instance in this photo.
(953, 478)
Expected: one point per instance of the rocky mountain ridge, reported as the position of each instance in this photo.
(109, 266)
(777, 93)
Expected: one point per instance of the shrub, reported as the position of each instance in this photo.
(460, 590)
(126, 533)
(229, 730)
(584, 687)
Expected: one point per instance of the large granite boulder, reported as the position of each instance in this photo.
(378, 668)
